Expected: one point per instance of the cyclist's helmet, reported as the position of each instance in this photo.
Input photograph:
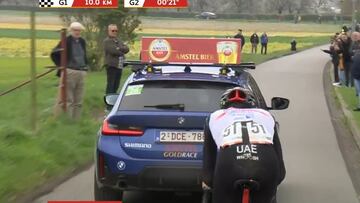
(237, 97)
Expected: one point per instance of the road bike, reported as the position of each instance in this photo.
(246, 186)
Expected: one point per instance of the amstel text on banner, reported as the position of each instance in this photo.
(191, 50)
(78, 3)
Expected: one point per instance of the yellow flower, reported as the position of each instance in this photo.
(21, 47)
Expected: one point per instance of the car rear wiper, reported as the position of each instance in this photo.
(180, 107)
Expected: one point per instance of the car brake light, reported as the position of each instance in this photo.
(108, 129)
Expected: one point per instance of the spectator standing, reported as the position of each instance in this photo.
(77, 66)
(355, 42)
(254, 39)
(335, 59)
(264, 42)
(341, 65)
(293, 44)
(115, 51)
(355, 71)
(346, 54)
(239, 35)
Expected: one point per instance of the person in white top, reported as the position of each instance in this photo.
(241, 143)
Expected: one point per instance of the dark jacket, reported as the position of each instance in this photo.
(56, 53)
(240, 36)
(345, 49)
(254, 39)
(334, 55)
(355, 48)
(113, 49)
(355, 69)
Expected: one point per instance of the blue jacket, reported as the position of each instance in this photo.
(264, 39)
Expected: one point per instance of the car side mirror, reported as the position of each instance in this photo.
(278, 103)
(110, 100)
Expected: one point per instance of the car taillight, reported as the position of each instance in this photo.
(109, 129)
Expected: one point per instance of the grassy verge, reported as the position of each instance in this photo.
(351, 100)
(29, 159)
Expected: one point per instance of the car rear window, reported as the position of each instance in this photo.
(196, 96)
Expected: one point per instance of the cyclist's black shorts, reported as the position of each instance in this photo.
(262, 166)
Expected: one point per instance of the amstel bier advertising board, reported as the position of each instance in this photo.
(191, 50)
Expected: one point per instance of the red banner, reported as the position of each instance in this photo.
(155, 3)
(78, 3)
(191, 50)
(95, 4)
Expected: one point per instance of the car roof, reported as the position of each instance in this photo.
(203, 73)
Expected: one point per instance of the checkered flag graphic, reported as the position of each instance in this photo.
(46, 3)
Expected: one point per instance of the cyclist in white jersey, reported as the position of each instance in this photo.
(241, 143)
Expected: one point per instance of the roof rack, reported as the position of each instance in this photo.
(149, 66)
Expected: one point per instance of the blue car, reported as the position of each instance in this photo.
(152, 138)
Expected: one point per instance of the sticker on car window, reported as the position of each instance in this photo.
(134, 90)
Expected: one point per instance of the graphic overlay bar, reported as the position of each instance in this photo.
(155, 3)
(78, 3)
(59, 201)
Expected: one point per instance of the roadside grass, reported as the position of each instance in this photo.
(29, 159)
(351, 101)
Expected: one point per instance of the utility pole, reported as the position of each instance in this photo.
(353, 25)
(63, 70)
(33, 108)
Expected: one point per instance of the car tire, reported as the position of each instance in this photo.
(106, 193)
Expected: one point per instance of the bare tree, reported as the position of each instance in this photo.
(303, 6)
(318, 5)
(277, 5)
(247, 6)
(291, 6)
(202, 4)
(239, 4)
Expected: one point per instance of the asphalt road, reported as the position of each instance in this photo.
(316, 171)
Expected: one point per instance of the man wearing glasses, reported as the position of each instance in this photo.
(115, 51)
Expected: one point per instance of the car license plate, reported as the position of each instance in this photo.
(181, 136)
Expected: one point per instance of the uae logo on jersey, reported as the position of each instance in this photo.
(46, 3)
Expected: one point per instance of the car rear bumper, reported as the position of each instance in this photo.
(156, 178)
(143, 174)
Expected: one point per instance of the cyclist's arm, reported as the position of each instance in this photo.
(209, 159)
